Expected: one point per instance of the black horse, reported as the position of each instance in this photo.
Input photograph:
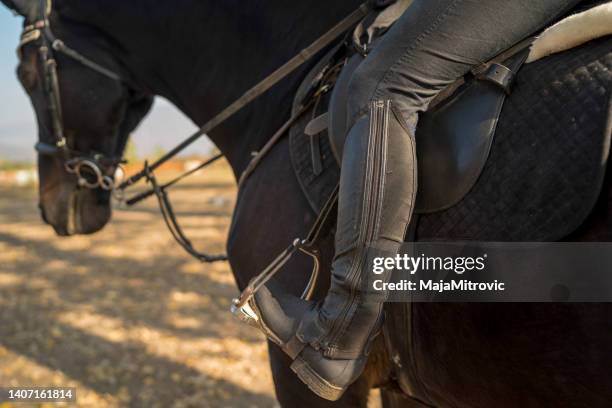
(202, 55)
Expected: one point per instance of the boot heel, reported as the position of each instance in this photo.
(316, 383)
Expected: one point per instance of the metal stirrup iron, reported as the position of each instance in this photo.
(240, 305)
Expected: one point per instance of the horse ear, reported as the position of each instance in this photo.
(25, 8)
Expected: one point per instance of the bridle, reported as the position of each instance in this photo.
(93, 170)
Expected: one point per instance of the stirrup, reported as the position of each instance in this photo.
(241, 307)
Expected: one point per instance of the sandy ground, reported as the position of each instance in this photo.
(124, 315)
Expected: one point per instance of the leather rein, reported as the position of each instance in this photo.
(95, 170)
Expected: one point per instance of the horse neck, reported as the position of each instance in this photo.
(202, 55)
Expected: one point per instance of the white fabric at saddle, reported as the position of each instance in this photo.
(384, 20)
(388, 16)
(573, 31)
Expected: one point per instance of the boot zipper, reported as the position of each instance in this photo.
(372, 201)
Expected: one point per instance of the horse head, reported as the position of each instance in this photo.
(85, 114)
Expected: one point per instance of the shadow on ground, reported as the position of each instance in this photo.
(124, 316)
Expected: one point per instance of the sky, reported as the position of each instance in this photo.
(163, 128)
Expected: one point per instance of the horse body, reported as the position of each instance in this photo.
(228, 51)
(201, 55)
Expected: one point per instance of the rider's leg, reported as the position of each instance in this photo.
(434, 43)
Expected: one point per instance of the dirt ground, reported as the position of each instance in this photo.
(124, 315)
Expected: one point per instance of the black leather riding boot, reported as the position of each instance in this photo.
(329, 341)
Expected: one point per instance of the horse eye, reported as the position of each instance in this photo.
(27, 77)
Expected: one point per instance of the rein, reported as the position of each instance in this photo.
(317, 88)
(257, 90)
(95, 170)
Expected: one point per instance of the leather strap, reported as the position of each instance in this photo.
(317, 125)
(293, 347)
(257, 90)
(315, 155)
(499, 75)
(259, 156)
(147, 193)
(175, 229)
(504, 55)
(313, 129)
(504, 74)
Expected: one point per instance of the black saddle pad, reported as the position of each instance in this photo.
(546, 166)
(549, 157)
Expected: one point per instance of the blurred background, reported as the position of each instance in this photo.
(125, 316)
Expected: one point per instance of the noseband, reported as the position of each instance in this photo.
(93, 170)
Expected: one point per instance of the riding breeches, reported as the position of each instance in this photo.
(435, 42)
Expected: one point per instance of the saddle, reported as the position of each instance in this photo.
(457, 134)
(454, 136)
